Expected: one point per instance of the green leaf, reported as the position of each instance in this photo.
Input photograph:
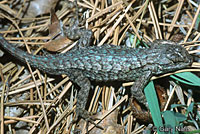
(197, 22)
(198, 103)
(170, 120)
(198, 115)
(190, 108)
(187, 78)
(147, 131)
(153, 105)
(192, 132)
(177, 105)
(180, 117)
(173, 119)
(131, 38)
(138, 42)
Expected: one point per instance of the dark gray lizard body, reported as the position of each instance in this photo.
(108, 63)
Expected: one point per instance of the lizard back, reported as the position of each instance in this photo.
(108, 63)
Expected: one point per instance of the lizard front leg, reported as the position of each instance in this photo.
(74, 32)
(139, 85)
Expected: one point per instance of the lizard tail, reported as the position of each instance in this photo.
(21, 55)
(40, 62)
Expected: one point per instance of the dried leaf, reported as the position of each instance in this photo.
(55, 31)
(39, 7)
(55, 26)
(57, 44)
(162, 95)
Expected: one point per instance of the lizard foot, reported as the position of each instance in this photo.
(141, 115)
(88, 117)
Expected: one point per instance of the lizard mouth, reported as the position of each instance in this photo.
(181, 65)
(174, 67)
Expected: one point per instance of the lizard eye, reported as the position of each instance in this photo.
(174, 54)
(177, 58)
(178, 54)
(173, 58)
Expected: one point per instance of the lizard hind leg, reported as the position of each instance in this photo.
(82, 97)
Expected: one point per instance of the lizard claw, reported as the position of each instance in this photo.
(92, 121)
(87, 116)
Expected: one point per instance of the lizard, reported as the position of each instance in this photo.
(107, 63)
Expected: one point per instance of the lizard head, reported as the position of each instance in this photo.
(173, 57)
